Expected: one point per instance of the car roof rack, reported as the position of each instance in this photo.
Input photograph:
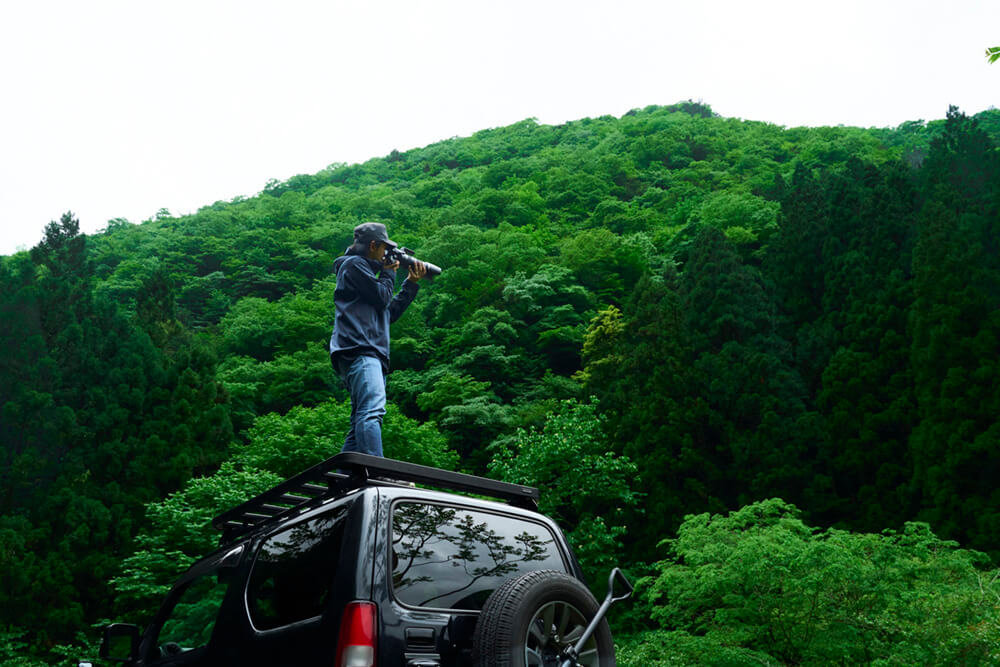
(351, 470)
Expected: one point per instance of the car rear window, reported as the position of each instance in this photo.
(453, 558)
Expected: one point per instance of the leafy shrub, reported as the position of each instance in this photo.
(660, 648)
(760, 579)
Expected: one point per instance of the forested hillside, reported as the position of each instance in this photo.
(664, 315)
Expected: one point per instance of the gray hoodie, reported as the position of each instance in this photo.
(365, 307)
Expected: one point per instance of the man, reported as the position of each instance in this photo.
(359, 346)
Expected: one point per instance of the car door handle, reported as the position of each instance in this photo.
(420, 639)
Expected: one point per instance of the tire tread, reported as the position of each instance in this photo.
(494, 640)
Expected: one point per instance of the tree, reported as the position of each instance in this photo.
(865, 387)
(757, 436)
(649, 409)
(105, 421)
(63, 249)
(761, 580)
(588, 487)
(955, 321)
(288, 444)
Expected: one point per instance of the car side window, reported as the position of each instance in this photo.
(291, 576)
(191, 619)
(453, 558)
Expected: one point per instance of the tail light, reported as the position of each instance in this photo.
(356, 644)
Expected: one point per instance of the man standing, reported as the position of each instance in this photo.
(359, 346)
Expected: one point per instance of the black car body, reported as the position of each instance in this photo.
(346, 570)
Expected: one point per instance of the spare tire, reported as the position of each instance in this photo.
(531, 619)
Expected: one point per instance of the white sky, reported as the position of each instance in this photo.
(121, 108)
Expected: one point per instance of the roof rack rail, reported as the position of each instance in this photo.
(323, 481)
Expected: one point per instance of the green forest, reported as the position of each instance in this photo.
(755, 366)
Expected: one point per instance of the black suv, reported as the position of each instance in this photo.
(349, 564)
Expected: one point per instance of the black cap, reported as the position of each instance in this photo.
(372, 231)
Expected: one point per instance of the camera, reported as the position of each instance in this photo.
(406, 259)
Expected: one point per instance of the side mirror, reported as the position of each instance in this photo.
(120, 643)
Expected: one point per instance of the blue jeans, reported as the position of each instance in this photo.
(366, 383)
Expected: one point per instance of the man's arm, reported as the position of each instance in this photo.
(402, 300)
(408, 292)
(375, 290)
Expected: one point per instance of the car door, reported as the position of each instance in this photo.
(185, 629)
(291, 590)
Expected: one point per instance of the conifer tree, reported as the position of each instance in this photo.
(106, 421)
(760, 436)
(956, 333)
(866, 395)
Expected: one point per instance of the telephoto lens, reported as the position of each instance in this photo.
(405, 258)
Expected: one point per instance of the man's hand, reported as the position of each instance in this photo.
(417, 271)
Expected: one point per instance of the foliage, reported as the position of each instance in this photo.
(102, 412)
(15, 649)
(180, 532)
(955, 324)
(586, 486)
(279, 446)
(663, 648)
(760, 579)
(758, 311)
(288, 444)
